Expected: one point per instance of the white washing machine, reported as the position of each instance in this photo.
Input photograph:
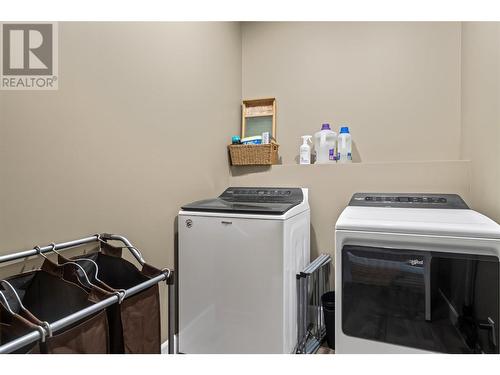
(237, 260)
(416, 273)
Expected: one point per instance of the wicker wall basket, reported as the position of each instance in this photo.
(254, 154)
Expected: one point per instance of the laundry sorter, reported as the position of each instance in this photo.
(94, 303)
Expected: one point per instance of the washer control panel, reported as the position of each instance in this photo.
(278, 195)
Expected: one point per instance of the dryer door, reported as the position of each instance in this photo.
(434, 301)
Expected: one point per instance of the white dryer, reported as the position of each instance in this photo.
(416, 273)
(237, 260)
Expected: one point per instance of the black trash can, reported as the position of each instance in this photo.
(328, 301)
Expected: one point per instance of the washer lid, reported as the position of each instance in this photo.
(425, 221)
(267, 201)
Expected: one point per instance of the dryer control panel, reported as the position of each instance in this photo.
(408, 200)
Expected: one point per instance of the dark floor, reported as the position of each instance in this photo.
(325, 349)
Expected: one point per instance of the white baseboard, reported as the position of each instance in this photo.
(164, 347)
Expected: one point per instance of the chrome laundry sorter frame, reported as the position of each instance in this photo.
(168, 276)
(312, 283)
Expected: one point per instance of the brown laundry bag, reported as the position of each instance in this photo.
(75, 275)
(13, 326)
(135, 326)
(48, 297)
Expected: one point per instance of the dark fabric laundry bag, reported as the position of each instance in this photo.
(13, 326)
(48, 298)
(135, 326)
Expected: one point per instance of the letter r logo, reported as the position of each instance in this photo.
(27, 49)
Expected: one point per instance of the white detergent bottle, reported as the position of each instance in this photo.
(324, 143)
(344, 146)
(305, 150)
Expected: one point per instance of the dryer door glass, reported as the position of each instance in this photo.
(435, 301)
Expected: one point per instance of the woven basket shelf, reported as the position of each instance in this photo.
(254, 154)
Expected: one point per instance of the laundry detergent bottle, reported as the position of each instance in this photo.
(324, 143)
(305, 150)
(344, 146)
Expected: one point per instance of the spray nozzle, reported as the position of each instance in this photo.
(306, 138)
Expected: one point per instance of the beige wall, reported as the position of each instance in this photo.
(144, 111)
(481, 113)
(397, 85)
(137, 128)
(331, 186)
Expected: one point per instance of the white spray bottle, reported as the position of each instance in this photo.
(305, 150)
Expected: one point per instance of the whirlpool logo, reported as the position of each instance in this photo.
(29, 56)
(415, 262)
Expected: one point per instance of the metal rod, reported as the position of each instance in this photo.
(318, 263)
(310, 265)
(305, 305)
(318, 299)
(307, 301)
(300, 329)
(300, 303)
(172, 344)
(116, 237)
(320, 292)
(313, 263)
(47, 249)
(20, 342)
